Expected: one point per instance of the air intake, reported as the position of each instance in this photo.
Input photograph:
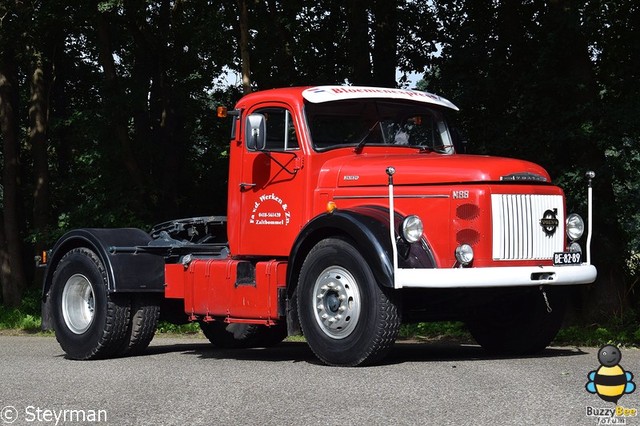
(521, 226)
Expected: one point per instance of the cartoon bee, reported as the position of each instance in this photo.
(610, 381)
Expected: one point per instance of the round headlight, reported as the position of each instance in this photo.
(464, 254)
(412, 229)
(575, 248)
(575, 227)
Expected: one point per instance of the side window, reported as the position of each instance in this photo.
(281, 133)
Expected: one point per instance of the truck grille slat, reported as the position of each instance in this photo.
(517, 232)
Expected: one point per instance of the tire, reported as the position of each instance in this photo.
(519, 323)
(89, 322)
(236, 335)
(145, 311)
(346, 317)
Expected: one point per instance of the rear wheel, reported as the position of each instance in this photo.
(520, 323)
(88, 321)
(346, 317)
(145, 311)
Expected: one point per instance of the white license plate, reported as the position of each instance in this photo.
(567, 258)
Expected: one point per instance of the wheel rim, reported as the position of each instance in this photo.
(78, 303)
(337, 302)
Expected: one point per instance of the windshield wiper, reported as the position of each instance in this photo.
(362, 142)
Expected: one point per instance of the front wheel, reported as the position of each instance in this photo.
(520, 323)
(346, 317)
(88, 321)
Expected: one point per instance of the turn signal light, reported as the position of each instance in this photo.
(221, 111)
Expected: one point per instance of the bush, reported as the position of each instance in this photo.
(435, 331)
(26, 317)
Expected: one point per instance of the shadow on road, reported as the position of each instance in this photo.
(454, 351)
(401, 352)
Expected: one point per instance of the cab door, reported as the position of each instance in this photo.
(271, 187)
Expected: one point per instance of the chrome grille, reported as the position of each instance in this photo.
(517, 232)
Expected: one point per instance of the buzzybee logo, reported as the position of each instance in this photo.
(610, 382)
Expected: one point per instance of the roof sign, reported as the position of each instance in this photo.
(321, 94)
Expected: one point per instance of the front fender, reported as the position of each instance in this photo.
(368, 228)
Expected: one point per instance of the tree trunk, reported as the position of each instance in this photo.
(13, 277)
(385, 42)
(38, 122)
(113, 93)
(359, 50)
(5, 264)
(610, 294)
(244, 46)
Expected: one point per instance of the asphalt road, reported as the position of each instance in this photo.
(181, 381)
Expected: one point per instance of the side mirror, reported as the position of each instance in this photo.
(256, 132)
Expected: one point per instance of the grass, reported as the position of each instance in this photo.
(623, 331)
(448, 330)
(25, 318)
(617, 331)
(169, 328)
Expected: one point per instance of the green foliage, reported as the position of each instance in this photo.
(26, 317)
(624, 330)
(169, 328)
(554, 82)
(435, 331)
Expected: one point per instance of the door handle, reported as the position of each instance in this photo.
(244, 186)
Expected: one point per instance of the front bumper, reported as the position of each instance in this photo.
(513, 276)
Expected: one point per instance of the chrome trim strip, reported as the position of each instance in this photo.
(360, 197)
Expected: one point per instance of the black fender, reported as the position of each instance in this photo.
(368, 228)
(126, 272)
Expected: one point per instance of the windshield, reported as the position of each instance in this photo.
(377, 122)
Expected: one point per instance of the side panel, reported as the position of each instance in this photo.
(234, 289)
(174, 281)
(259, 299)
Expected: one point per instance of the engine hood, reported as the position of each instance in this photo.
(419, 169)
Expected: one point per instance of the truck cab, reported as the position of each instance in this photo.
(350, 211)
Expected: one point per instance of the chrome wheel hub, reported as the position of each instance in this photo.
(78, 304)
(337, 302)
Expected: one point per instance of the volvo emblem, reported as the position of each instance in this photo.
(549, 222)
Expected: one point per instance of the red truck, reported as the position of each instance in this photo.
(350, 211)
